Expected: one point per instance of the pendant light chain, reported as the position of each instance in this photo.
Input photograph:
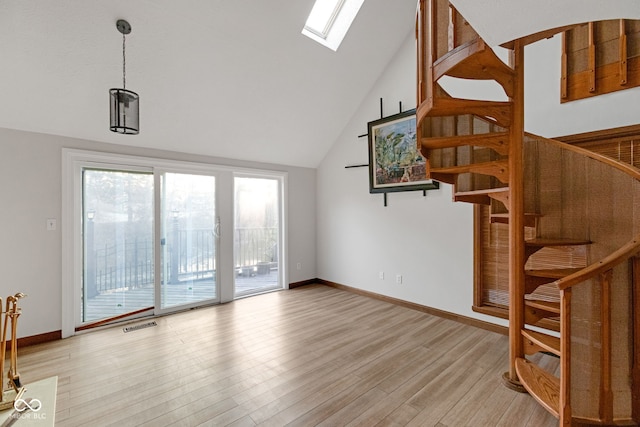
(124, 64)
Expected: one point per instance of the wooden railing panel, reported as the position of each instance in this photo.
(464, 32)
(621, 357)
(585, 349)
(635, 375)
(575, 197)
(598, 202)
(483, 155)
(577, 52)
(441, 20)
(606, 393)
(464, 156)
(600, 57)
(636, 206)
(547, 187)
(566, 350)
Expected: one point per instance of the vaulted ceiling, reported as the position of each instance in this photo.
(500, 21)
(227, 78)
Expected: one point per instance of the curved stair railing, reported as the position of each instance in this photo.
(602, 288)
(480, 147)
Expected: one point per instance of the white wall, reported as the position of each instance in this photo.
(31, 257)
(429, 240)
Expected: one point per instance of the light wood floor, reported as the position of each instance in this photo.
(309, 356)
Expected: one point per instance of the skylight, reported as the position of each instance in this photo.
(330, 20)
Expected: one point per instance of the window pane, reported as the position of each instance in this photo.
(256, 235)
(322, 15)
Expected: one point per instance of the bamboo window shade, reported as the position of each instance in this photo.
(495, 266)
(624, 150)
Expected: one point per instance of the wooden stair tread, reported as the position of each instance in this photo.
(497, 141)
(552, 273)
(498, 112)
(547, 342)
(482, 197)
(542, 242)
(477, 61)
(484, 191)
(478, 199)
(542, 313)
(503, 218)
(550, 306)
(534, 245)
(540, 384)
(442, 177)
(496, 168)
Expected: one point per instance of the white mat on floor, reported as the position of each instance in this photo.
(45, 415)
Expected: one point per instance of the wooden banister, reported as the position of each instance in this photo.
(623, 253)
(607, 263)
(546, 34)
(624, 167)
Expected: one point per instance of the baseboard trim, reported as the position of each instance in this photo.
(303, 283)
(418, 307)
(36, 339)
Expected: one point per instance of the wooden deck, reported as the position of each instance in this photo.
(114, 303)
(309, 356)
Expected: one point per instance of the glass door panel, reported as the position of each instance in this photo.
(118, 251)
(256, 235)
(189, 241)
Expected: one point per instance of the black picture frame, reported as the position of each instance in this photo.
(395, 164)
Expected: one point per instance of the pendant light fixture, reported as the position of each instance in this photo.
(125, 113)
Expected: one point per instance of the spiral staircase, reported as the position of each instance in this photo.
(550, 194)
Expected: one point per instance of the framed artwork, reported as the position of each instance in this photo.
(395, 164)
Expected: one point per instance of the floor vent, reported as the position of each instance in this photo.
(140, 326)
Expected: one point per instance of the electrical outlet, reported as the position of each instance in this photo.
(399, 279)
(381, 275)
(51, 224)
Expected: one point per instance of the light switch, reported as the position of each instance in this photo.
(51, 224)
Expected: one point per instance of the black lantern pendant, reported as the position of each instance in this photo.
(124, 104)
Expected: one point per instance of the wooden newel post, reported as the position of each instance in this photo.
(517, 257)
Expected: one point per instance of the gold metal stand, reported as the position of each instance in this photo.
(15, 390)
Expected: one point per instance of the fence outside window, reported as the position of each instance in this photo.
(130, 264)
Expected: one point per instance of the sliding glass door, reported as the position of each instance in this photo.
(118, 245)
(147, 236)
(121, 274)
(189, 241)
